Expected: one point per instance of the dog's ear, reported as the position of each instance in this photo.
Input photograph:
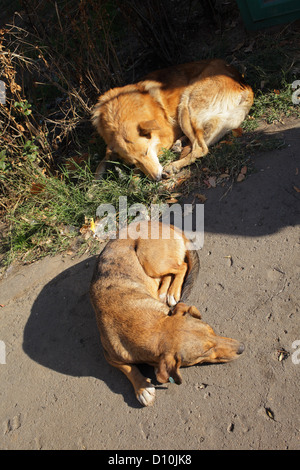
(194, 312)
(169, 367)
(146, 127)
(182, 309)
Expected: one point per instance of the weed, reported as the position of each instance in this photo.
(59, 56)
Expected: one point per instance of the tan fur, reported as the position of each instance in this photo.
(133, 283)
(202, 100)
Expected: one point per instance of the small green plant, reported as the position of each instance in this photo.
(273, 105)
(24, 106)
(30, 150)
(3, 163)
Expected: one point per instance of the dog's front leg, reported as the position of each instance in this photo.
(144, 389)
(189, 154)
(102, 165)
(176, 166)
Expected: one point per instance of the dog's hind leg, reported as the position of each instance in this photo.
(144, 389)
(174, 291)
(195, 135)
(165, 260)
(171, 285)
(164, 287)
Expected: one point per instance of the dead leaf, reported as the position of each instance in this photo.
(237, 132)
(212, 181)
(240, 178)
(277, 92)
(37, 188)
(20, 128)
(238, 47)
(224, 175)
(250, 47)
(202, 198)
(14, 87)
(282, 354)
(74, 162)
(88, 226)
(172, 200)
(92, 225)
(296, 189)
(243, 170)
(230, 261)
(269, 413)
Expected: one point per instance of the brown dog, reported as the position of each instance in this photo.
(202, 100)
(131, 286)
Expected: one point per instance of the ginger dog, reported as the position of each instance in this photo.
(202, 100)
(133, 283)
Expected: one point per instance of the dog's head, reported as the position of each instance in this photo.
(138, 144)
(134, 128)
(194, 342)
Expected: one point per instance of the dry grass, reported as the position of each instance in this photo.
(57, 57)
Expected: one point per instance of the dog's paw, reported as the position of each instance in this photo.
(171, 169)
(146, 396)
(177, 146)
(171, 300)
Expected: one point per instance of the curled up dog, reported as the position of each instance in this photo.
(137, 292)
(200, 100)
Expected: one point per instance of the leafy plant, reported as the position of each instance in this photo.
(30, 150)
(24, 106)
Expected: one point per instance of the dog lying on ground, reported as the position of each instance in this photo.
(133, 286)
(202, 100)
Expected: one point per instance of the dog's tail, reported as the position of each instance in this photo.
(194, 266)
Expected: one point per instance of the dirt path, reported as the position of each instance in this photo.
(57, 391)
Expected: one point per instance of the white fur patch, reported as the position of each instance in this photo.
(152, 153)
(147, 396)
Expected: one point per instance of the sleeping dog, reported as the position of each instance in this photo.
(202, 100)
(135, 286)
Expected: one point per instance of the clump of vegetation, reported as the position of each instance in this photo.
(57, 57)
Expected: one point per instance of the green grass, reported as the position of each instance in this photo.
(52, 209)
(46, 202)
(272, 106)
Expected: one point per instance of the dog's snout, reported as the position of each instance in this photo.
(241, 349)
(158, 174)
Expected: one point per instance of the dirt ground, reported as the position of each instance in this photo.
(58, 392)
